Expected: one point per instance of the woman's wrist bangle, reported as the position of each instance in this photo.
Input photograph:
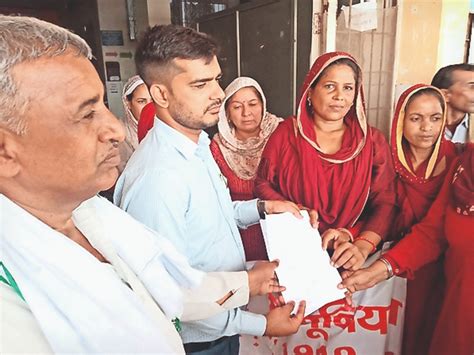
(388, 266)
(348, 232)
(374, 247)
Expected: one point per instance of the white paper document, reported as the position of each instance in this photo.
(304, 266)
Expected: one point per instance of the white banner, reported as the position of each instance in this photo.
(375, 326)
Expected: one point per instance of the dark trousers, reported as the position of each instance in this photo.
(221, 346)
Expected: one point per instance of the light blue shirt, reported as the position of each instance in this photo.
(174, 186)
(460, 133)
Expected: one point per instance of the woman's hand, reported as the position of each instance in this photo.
(364, 278)
(332, 238)
(348, 256)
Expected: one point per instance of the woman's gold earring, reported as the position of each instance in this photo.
(310, 106)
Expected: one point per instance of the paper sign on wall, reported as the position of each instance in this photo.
(363, 16)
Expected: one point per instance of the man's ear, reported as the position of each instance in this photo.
(447, 94)
(9, 164)
(159, 94)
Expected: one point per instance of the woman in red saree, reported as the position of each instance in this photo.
(447, 227)
(329, 159)
(244, 128)
(421, 157)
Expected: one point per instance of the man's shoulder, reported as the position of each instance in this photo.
(20, 332)
(149, 181)
(155, 157)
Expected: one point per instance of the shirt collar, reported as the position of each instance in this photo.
(465, 121)
(182, 143)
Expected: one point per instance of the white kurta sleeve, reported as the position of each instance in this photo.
(201, 302)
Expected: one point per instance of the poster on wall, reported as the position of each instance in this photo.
(112, 37)
(112, 71)
(361, 17)
(114, 97)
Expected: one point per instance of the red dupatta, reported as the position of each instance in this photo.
(416, 190)
(147, 119)
(336, 185)
(463, 183)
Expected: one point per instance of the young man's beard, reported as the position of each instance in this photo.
(190, 120)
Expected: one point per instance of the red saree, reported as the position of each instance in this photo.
(448, 226)
(355, 181)
(416, 190)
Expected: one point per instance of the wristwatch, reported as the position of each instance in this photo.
(261, 208)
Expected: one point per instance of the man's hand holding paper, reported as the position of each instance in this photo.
(262, 278)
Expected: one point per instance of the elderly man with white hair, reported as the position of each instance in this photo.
(77, 273)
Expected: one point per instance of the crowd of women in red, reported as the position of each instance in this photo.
(328, 158)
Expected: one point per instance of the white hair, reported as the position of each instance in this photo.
(24, 39)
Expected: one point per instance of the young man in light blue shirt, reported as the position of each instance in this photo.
(172, 184)
(457, 83)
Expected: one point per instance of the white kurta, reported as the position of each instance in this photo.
(80, 306)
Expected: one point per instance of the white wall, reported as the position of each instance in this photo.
(454, 21)
(159, 12)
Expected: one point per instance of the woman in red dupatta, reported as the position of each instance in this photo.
(447, 228)
(327, 158)
(244, 128)
(421, 157)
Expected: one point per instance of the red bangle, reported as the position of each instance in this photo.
(374, 247)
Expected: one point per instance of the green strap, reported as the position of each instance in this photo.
(177, 324)
(10, 281)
